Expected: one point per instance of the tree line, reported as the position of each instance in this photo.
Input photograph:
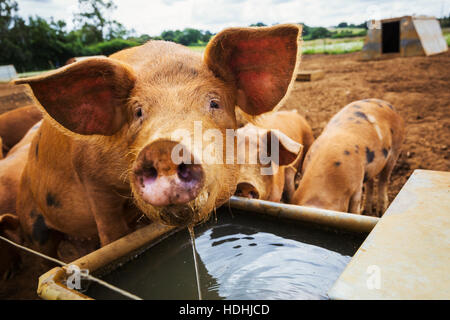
(39, 44)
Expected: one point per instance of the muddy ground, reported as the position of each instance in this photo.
(418, 87)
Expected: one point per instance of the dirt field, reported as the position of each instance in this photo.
(418, 88)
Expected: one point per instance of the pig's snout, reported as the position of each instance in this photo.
(246, 190)
(161, 182)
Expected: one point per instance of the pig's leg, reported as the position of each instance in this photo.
(383, 180)
(289, 184)
(109, 212)
(368, 207)
(355, 201)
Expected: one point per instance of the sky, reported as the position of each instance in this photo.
(154, 16)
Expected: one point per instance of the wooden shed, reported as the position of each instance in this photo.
(406, 36)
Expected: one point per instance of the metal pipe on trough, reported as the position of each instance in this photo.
(51, 285)
(335, 219)
(105, 255)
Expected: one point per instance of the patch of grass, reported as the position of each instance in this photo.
(333, 46)
(330, 46)
(197, 48)
(447, 38)
(31, 74)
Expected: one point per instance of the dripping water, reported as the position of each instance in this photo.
(194, 253)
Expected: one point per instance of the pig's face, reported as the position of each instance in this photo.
(181, 192)
(159, 102)
(260, 178)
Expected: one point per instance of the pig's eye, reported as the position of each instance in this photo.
(138, 112)
(213, 104)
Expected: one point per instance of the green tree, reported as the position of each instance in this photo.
(258, 24)
(320, 32)
(92, 20)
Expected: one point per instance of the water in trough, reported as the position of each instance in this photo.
(240, 256)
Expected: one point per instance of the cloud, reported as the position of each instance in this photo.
(152, 17)
(170, 2)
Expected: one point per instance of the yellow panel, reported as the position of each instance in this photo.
(407, 255)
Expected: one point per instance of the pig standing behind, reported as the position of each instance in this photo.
(14, 125)
(11, 168)
(294, 130)
(360, 142)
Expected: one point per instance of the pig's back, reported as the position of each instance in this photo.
(361, 130)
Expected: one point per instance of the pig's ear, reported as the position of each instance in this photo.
(86, 97)
(289, 150)
(261, 62)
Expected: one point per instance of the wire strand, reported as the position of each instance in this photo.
(63, 264)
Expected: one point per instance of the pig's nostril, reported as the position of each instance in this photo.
(184, 172)
(150, 172)
(190, 172)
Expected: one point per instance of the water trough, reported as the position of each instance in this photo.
(251, 249)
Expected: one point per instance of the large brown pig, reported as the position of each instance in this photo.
(360, 142)
(108, 128)
(295, 139)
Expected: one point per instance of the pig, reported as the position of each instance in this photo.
(11, 168)
(108, 133)
(361, 142)
(295, 137)
(14, 125)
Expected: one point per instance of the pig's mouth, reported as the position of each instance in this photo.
(185, 214)
(177, 215)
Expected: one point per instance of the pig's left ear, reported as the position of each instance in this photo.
(290, 151)
(86, 97)
(261, 62)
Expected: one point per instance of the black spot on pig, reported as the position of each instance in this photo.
(37, 149)
(346, 152)
(337, 163)
(361, 115)
(370, 155)
(33, 214)
(385, 152)
(356, 148)
(365, 177)
(52, 201)
(40, 231)
(390, 106)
